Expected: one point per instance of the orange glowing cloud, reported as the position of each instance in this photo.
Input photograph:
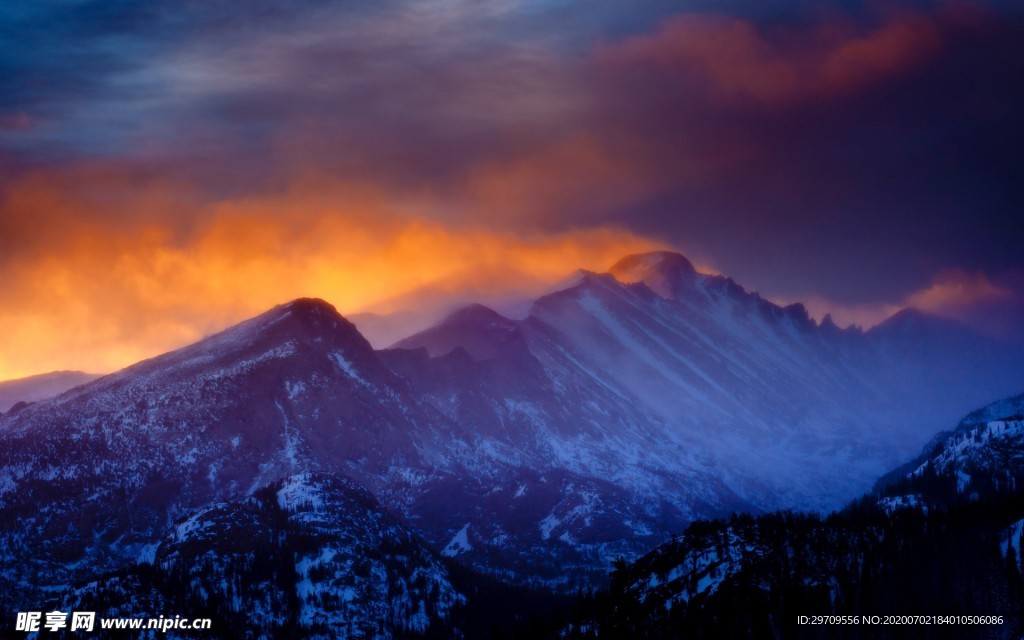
(96, 283)
(974, 299)
(581, 175)
(738, 60)
(955, 291)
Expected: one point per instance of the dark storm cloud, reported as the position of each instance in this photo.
(860, 185)
(850, 151)
(385, 89)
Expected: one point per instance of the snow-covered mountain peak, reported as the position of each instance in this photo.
(640, 265)
(480, 313)
(308, 317)
(479, 330)
(914, 321)
(309, 307)
(662, 271)
(303, 321)
(298, 331)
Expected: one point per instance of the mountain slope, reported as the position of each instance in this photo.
(90, 479)
(982, 458)
(311, 556)
(758, 396)
(950, 548)
(753, 577)
(487, 454)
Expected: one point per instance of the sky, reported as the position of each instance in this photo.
(170, 168)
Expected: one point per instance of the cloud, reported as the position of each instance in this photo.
(957, 290)
(994, 305)
(93, 284)
(849, 154)
(735, 59)
(15, 122)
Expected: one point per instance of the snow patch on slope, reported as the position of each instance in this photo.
(458, 544)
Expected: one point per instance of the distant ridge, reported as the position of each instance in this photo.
(40, 387)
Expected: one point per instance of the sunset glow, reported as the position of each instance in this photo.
(451, 318)
(114, 296)
(177, 173)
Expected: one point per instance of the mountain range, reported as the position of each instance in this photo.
(625, 406)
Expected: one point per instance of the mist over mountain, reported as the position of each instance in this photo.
(770, 398)
(940, 536)
(536, 451)
(40, 387)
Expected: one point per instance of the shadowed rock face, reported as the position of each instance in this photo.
(535, 450)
